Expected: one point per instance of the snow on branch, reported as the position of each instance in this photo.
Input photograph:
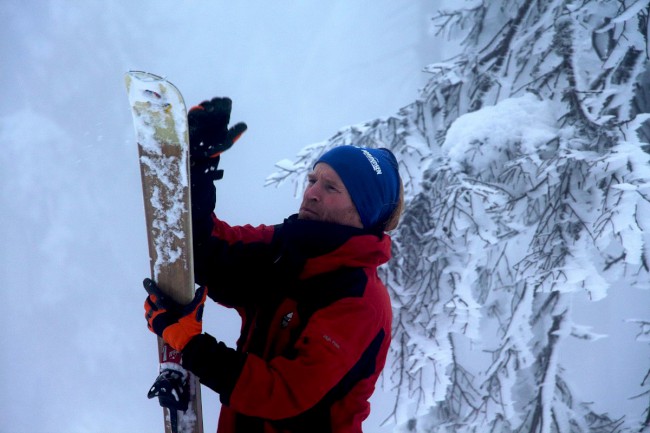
(526, 183)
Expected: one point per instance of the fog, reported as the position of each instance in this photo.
(76, 355)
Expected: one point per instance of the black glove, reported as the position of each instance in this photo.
(210, 136)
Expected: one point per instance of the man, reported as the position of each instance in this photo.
(316, 319)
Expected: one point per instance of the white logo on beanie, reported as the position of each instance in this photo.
(372, 160)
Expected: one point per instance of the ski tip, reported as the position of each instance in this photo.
(156, 98)
(144, 76)
(146, 87)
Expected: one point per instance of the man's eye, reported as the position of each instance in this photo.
(332, 188)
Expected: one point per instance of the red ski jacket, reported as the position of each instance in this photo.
(316, 323)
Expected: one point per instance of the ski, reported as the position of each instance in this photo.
(160, 122)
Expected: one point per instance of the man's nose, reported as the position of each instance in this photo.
(313, 192)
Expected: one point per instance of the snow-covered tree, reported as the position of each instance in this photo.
(526, 182)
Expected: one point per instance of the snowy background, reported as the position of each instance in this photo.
(76, 356)
(75, 353)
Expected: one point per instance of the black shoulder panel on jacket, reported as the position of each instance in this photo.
(325, 289)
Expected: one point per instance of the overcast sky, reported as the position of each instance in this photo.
(76, 355)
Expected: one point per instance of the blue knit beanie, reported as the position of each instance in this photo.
(371, 176)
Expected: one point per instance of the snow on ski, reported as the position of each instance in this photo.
(160, 122)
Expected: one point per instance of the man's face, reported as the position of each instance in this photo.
(327, 199)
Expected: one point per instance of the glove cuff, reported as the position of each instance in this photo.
(216, 365)
(178, 335)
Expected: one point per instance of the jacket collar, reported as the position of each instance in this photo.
(315, 247)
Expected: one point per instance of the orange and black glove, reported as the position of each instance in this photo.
(210, 135)
(176, 324)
